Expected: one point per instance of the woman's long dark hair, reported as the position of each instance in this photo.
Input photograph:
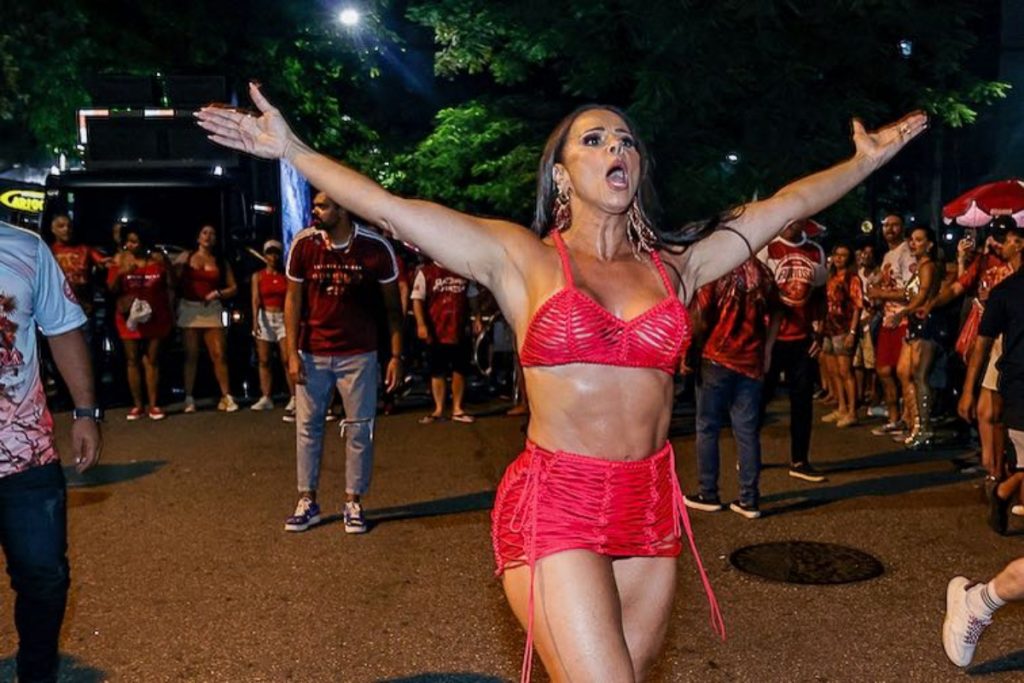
(933, 252)
(646, 196)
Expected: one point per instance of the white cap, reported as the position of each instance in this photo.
(272, 244)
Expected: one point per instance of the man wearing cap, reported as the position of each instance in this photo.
(269, 287)
(337, 271)
(798, 266)
(33, 501)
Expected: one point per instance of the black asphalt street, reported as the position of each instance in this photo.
(181, 570)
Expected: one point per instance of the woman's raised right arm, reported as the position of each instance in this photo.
(476, 248)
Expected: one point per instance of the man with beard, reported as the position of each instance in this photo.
(898, 267)
(337, 272)
(798, 266)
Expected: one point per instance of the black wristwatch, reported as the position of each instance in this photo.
(95, 414)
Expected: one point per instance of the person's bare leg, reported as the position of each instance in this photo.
(131, 356)
(646, 592)
(216, 343)
(282, 348)
(151, 362)
(458, 390)
(263, 354)
(848, 384)
(577, 623)
(438, 388)
(887, 376)
(190, 337)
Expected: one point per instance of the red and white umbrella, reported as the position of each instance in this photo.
(979, 206)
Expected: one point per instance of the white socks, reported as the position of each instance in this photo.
(982, 600)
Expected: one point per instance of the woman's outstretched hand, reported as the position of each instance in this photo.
(267, 135)
(881, 145)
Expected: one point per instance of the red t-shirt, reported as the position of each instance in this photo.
(445, 295)
(985, 272)
(77, 262)
(843, 295)
(341, 287)
(798, 268)
(272, 288)
(735, 308)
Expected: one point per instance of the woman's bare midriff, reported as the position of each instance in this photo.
(602, 411)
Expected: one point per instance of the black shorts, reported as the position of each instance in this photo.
(444, 359)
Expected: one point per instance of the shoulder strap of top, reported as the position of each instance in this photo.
(664, 275)
(563, 254)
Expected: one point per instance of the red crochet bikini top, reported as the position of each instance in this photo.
(571, 327)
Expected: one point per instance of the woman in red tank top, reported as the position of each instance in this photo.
(206, 281)
(590, 512)
(140, 273)
(269, 287)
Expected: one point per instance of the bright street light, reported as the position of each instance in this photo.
(349, 17)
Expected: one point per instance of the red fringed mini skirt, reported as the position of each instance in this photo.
(550, 501)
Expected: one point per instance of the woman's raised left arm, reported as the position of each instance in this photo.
(759, 222)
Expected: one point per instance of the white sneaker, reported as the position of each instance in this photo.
(227, 404)
(190, 405)
(961, 629)
(355, 523)
(291, 405)
(878, 411)
(265, 403)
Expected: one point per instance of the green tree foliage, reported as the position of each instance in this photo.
(773, 83)
(734, 97)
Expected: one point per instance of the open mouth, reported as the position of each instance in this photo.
(617, 177)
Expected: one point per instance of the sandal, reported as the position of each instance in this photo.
(429, 419)
(463, 418)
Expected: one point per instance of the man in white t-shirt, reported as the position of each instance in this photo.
(898, 266)
(33, 509)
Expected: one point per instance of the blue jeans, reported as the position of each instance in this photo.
(356, 379)
(33, 533)
(723, 393)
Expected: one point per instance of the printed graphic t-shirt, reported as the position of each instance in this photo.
(843, 295)
(799, 268)
(33, 291)
(736, 307)
(447, 299)
(77, 262)
(985, 272)
(341, 289)
(898, 268)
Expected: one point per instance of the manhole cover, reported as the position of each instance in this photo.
(807, 562)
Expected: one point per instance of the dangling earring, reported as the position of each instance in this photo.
(638, 231)
(561, 214)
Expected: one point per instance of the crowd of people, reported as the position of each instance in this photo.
(607, 310)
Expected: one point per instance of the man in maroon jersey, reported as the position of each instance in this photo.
(738, 315)
(440, 300)
(798, 265)
(337, 272)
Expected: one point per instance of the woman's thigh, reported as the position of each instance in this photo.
(578, 615)
(213, 337)
(647, 587)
